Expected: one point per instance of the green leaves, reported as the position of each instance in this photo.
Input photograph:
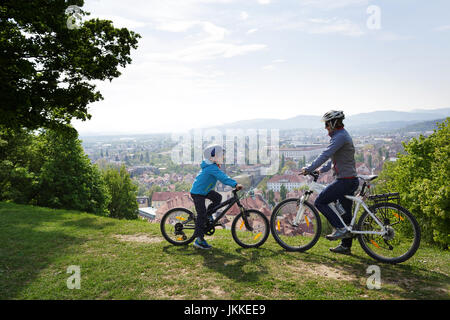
(421, 176)
(47, 70)
(123, 194)
(67, 178)
(50, 169)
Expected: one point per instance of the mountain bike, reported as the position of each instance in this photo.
(249, 229)
(386, 231)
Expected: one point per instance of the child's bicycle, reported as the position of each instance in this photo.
(386, 231)
(250, 228)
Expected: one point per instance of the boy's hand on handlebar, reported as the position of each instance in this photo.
(239, 187)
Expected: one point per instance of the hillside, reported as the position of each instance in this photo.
(377, 120)
(121, 259)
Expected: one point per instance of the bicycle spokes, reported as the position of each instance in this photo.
(178, 226)
(250, 229)
(293, 229)
(401, 237)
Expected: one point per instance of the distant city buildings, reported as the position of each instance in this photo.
(289, 181)
(302, 152)
(163, 185)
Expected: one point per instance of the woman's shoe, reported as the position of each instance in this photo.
(341, 233)
(341, 249)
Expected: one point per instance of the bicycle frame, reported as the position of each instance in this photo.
(317, 187)
(230, 202)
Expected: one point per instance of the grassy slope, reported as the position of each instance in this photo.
(130, 260)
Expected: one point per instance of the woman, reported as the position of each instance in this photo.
(342, 153)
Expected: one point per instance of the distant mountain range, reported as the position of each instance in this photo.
(377, 120)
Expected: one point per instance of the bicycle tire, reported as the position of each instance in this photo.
(374, 247)
(250, 238)
(312, 213)
(180, 237)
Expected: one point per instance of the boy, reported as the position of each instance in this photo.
(203, 188)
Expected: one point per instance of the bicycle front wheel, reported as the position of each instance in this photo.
(295, 236)
(403, 233)
(250, 229)
(178, 226)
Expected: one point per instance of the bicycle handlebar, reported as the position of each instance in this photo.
(235, 191)
(314, 174)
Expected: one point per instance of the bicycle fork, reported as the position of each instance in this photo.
(245, 215)
(301, 208)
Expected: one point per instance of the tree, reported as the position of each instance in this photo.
(359, 157)
(302, 162)
(283, 192)
(421, 177)
(47, 70)
(67, 179)
(123, 194)
(271, 198)
(48, 168)
(369, 161)
(19, 163)
(182, 186)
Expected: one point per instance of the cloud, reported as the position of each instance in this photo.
(213, 32)
(263, 1)
(243, 15)
(207, 51)
(443, 28)
(334, 25)
(252, 30)
(269, 67)
(210, 44)
(391, 36)
(122, 22)
(332, 4)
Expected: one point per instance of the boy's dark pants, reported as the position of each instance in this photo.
(200, 207)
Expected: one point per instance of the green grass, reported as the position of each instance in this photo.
(130, 260)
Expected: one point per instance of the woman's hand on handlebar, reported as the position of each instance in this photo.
(239, 187)
(305, 172)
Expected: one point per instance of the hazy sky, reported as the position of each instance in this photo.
(207, 62)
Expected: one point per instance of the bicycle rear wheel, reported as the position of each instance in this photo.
(403, 237)
(250, 229)
(291, 237)
(178, 226)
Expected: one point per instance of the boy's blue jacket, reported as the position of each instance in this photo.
(207, 178)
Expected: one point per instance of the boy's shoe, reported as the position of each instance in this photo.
(201, 244)
(341, 233)
(341, 249)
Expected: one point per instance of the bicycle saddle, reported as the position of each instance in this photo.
(367, 178)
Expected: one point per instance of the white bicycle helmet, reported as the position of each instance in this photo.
(214, 152)
(332, 117)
